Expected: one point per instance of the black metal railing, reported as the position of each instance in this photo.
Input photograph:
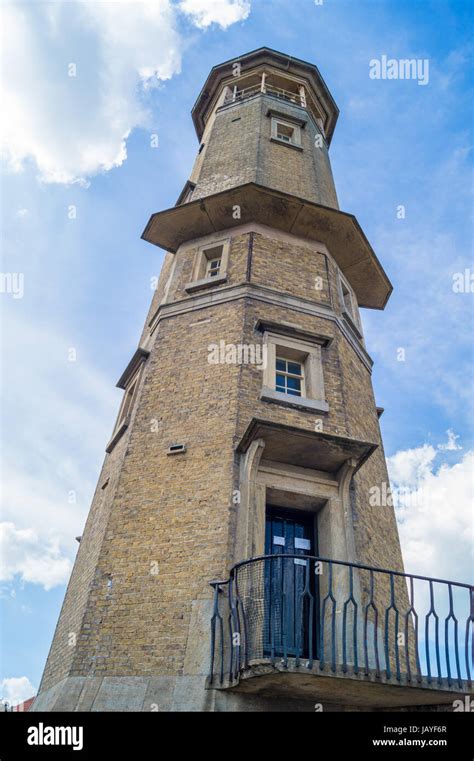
(348, 617)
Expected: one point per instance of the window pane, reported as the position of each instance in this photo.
(347, 298)
(284, 132)
(294, 383)
(288, 376)
(294, 367)
(293, 392)
(213, 267)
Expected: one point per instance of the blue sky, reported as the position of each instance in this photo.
(84, 142)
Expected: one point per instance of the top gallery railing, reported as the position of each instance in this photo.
(315, 612)
(279, 92)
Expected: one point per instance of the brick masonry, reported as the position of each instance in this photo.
(243, 129)
(175, 514)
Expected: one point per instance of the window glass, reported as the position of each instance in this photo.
(284, 132)
(289, 377)
(213, 267)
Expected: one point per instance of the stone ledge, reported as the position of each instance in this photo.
(339, 231)
(359, 689)
(287, 145)
(266, 295)
(205, 282)
(299, 402)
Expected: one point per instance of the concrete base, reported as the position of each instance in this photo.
(127, 693)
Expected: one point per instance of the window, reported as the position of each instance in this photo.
(123, 417)
(210, 266)
(285, 132)
(289, 377)
(129, 382)
(127, 402)
(213, 266)
(349, 305)
(293, 372)
(186, 193)
(347, 300)
(212, 260)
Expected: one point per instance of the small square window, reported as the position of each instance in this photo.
(286, 132)
(212, 260)
(293, 375)
(210, 266)
(289, 377)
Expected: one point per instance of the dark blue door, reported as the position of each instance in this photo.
(290, 589)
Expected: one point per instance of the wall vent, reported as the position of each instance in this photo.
(176, 449)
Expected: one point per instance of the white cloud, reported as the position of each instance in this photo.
(16, 689)
(411, 465)
(223, 12)
(74, 75)
(451, 445)
(22, 552)
(434, 506)
(53, 444)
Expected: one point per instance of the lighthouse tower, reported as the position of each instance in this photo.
(241, 551)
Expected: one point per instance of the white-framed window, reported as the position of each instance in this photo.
(289, 376)
(286, 132)
(210, 263)
(127, 403)
(347, 299)
(293, 374)
(213, 266)
(349, 303)
(123, 417)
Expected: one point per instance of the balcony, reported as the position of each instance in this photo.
(279, 87)
(278, 92)
(319, 629)
(266, 67)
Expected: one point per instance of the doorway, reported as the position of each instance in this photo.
(291, 590)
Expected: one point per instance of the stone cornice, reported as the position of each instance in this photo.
(338, 230)
(266, 295)
(287, 329)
